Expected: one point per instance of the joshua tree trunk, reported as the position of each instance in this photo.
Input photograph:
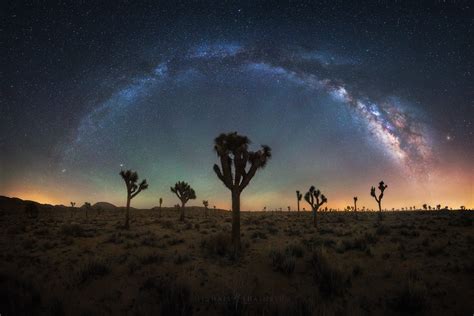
(315, 222)
(127, 214)
(298, 203)
(236, 219)
(181, 218)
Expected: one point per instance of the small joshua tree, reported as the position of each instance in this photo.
(355, 203)
(299, 196)
(73, 204)
(87, 206)
(382, 187)
(233, 152)
(206, 205)
(184, 192)
(133, 189)
(315, 199)
(161, 203)
(425, 207)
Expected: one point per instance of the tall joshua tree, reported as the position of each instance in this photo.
(73, 204)
(133, 189)
(238, 167)
(382, 187)
(184, 192)
(299, 196)
(315, 199)
(355, 203)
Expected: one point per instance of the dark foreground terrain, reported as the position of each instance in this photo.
(63, 262)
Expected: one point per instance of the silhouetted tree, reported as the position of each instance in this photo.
(382, 187)
(438, 207)
(462, 207)
(206, 204)
(73, 204)
(355, 203)
(425, 207)
(315, 199)
(87, 206)
(161, 203)
(299, 196)
(133, 189)
(184, 192)
(235, 157)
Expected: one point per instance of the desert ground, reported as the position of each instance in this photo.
(62, 262)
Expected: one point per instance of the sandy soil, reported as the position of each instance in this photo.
(64, 263)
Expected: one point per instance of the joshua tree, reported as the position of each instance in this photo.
(184, 192)
(425, 207)
(87, 206)
(462, 208)
(161, 203)
(232, 150)
(438, 207)
(289, 209)
(315, 199)
(299, 196)
(133, 189)
(355, 203)
(73, 204)
(382, 187)
(206, 204)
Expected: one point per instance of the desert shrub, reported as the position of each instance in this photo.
(295, 250)
(18, 296)
(258, 234)
(149, 240)
(181, 258)
(163, 297)
(218, 244)
(31, 210)
(272, 230)
(150, 258)
(282, 261)
(114, 239)
(167, 224)
(93, 269)
(175, 241)
(412, 298)
(74, 230)
(382, 230)
(330, 280)
(359, 243)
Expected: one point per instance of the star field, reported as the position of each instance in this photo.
(346, 95)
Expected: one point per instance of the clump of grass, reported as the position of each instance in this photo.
(382, 230)
(73, 230)
(167, 224)
(181, 258)
(295, 250)
(412, 298)
(164, 297)
(91, 270)
(282, 261)
(219, 244)
(150, 258)
(259, 235)
(330, 280)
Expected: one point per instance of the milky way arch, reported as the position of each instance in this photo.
(400, 134)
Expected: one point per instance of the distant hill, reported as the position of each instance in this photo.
(104, 206)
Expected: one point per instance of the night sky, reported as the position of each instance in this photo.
(346, 95)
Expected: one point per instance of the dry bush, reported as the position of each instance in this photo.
(219, 244)
(74, 230)
(330, 280)
(163, 297)
(282, 261)
(91, 270)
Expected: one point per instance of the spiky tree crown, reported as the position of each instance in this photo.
(183, 191)
(355, 198)
(299, 195)
(238, 164)
(131, 178)
(205, 203)
(382, 187)
(315, 198)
